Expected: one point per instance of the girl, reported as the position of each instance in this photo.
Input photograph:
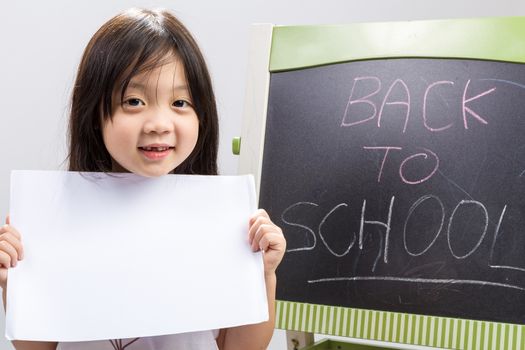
(143, 103)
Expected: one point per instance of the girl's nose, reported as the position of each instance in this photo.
(159, 122)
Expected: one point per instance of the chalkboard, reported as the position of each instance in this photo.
(400, 185)
(390, 155)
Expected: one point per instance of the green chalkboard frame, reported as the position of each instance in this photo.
(299, 47)
(296, 47)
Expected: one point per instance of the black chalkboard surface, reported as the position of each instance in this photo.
(400, 185)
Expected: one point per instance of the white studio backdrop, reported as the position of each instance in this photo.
(42, 42)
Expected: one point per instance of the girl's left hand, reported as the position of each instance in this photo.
(266, 236)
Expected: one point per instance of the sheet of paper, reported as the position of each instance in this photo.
(121, 256)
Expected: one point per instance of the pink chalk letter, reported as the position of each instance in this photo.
(405, 103)
(466, 109)
(361, 100)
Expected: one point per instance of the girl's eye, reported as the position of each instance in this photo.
(133, 102)
(181, 104)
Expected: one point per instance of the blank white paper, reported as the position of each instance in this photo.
(111, 256)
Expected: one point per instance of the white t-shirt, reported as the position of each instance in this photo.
(205, 340)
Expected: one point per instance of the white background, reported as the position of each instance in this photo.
(41, 43)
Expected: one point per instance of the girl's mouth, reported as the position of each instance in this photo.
(156, 152)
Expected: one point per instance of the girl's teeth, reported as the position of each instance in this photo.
(157, 149)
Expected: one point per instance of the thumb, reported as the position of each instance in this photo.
(7, 220)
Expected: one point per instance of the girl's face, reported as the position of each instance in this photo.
(154, 128)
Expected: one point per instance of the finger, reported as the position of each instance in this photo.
(5, 259)
(9, 249)
(7, 220)
(15, 242)
(272, 240)
(263, 230)
(255, 229)
(255, 223)
(257, 214)
(8, 228)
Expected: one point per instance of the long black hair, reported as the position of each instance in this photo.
(130, 43)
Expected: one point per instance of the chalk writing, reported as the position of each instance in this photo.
(387, 149)
(496, 235)
(405, 103)
(403, 163)
(353, 116)
(418, 280)
(350, 245)
(425, 118)
(470, 111)
(425, 156)
(411, 211)
(387, 226)
(485, 216)
(399, 185)
(362, 100)
(310, 232)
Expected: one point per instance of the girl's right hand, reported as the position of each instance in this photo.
(11, 250)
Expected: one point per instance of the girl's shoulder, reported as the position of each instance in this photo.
(203, 340)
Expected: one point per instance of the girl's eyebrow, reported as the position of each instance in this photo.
(181, 87)
(136, 85)
(141, 86)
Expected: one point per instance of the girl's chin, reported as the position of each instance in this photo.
(151, 170)
(152, 173)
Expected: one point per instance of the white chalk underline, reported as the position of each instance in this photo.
(417, 280)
